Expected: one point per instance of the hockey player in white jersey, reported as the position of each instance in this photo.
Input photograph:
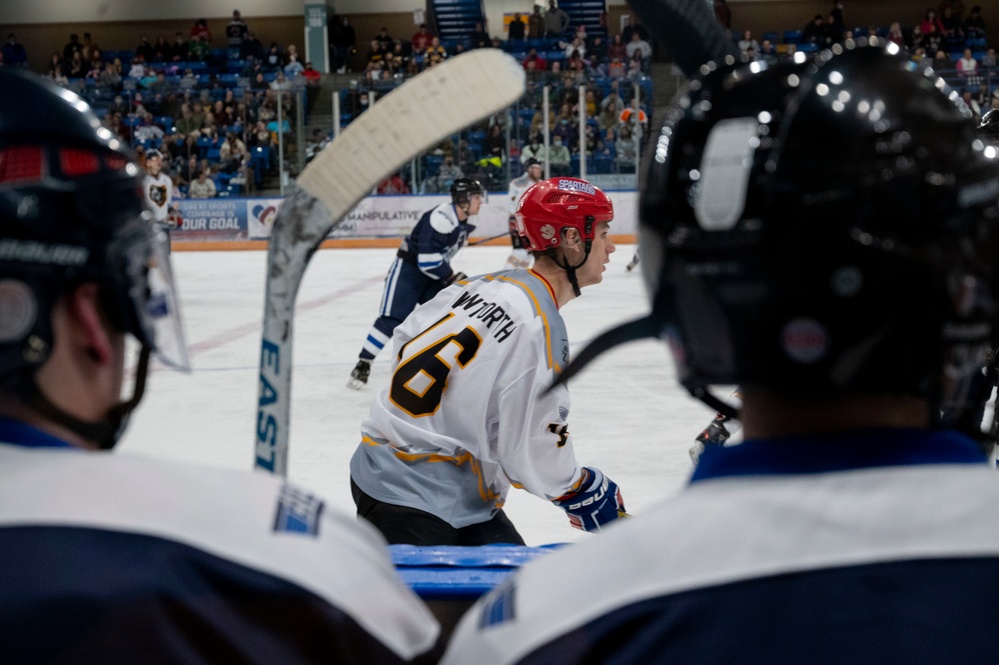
(422, 268)
(113, 558)
(533, 173)
(158, 189)
(465, 415)
(836, 256)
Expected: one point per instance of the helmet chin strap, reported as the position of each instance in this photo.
(106, 432)
(571, 269)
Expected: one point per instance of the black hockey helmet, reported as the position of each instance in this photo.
(72, 211)
(989, 126)
(821, 227)
(824, 227)
(463, 189)
(532, 161)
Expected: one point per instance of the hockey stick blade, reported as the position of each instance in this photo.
(688, 28)
(407, 121)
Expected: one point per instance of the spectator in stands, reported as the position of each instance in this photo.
(956, 7)
(54, 60)
(343, 41)
(967, 66)
(145, 49)
(951, 24)
(745, 44)
(610, 111)
(294, 67)
(178, 50)
(895, 35)
(616, 68)
(536, 23)
(576, 45)
(198, 49)
(146, 129)
(280, 82)
(394, 184)
(642, 47)
(931, 24)
(534, 149)
(556, 20)
(435, 52)
(974, 25)
(72, 47)
(233, 153)
(274, 58)
(202, 187)
(834, 33)
(235, 31)
(815, 31)
(516, 28)
(312, 76)
(57, 75)
(252, 47)
(161, 49)
(14, 54)
(88, 47)
(768, 51)
(421, 39)
(109, 78)
(187, 123)
(626, 149)
(558, 157)
(76, 68)
(199, 29)
(384, 39)
(941, 60)
(617, 49)
(480, 37)
(532, 57)
(597, 49)
(723, 13)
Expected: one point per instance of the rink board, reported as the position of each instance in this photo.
(230, 223)
(451, 578)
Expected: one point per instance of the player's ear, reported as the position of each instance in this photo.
(571, 237)
(91, 331)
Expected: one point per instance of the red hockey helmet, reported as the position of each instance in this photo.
(552, 205)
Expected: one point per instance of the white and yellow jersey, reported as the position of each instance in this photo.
(157, 190)
(465, 415)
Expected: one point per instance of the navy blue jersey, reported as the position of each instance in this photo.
(113, 558)
(435, 240)
(875, 547)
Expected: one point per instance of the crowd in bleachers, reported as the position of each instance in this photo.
(614, 73)
(950, 37)
(210, 111)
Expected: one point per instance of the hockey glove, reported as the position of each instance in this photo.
(456, 276)
(597, 502)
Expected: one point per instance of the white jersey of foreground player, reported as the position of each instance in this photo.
(458, 463)
(159, 576)
(881, 547)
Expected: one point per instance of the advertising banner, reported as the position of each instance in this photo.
(236, 219)
(212, 219)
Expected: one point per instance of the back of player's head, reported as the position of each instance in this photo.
(532, 161)
(549, 207)
(71, 212)
(463, 189)
(823, 228)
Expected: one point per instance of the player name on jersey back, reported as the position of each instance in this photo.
(489, 312)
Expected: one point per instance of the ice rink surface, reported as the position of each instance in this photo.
(629, 417)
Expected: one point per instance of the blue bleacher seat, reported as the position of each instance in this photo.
(793, 36)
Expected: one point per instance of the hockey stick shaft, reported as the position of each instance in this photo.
(409, 120)
(482, 241)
